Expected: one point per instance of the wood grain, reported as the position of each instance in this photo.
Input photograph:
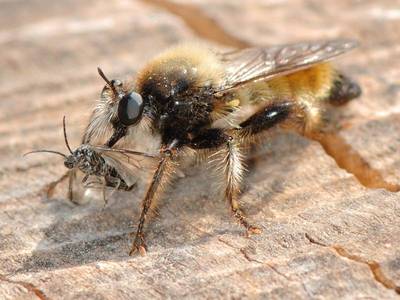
(330, 219)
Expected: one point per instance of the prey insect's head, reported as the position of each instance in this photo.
(82, 158)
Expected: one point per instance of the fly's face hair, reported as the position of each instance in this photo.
(118, 109)
(182, 95)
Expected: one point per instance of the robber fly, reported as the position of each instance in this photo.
(100, 163)
(181, 96)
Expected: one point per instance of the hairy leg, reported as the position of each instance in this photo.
(160, 179)
(232, 165)
(228, 146)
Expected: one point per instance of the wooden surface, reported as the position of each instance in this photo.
(329, 210)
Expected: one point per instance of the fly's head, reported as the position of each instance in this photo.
(119, 107)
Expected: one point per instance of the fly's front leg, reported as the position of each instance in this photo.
(160, 179)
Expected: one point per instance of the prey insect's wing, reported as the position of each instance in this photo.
(128, 163)
(256, 64)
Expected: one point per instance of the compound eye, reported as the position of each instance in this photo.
(130, 108)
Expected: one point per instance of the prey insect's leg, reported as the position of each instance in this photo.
(85, 178)
(71, 179)
(160, 178)
(71, 175)
(52, 185)
(103, 191)
(116, 182)
(117, 185)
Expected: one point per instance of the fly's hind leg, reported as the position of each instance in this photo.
(304, 118)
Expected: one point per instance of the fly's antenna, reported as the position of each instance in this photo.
(110, 85)
(65, 136)
(45, 151)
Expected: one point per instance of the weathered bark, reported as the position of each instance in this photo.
(329, 210)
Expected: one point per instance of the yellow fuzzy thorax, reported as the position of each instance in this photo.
(203, 63)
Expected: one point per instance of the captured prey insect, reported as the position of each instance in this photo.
(110, 171)
(189, 97)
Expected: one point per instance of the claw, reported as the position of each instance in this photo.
(254, 230)
(142, 250)
(138, 246)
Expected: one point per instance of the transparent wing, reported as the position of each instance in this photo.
(128, 163)
(255, 64)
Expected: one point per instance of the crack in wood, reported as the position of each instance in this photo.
(374, 266)
(29, 286)
(241, 250)
(201, 24)
(250, 259)
(351, 161)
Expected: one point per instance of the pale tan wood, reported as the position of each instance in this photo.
(326, 235)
